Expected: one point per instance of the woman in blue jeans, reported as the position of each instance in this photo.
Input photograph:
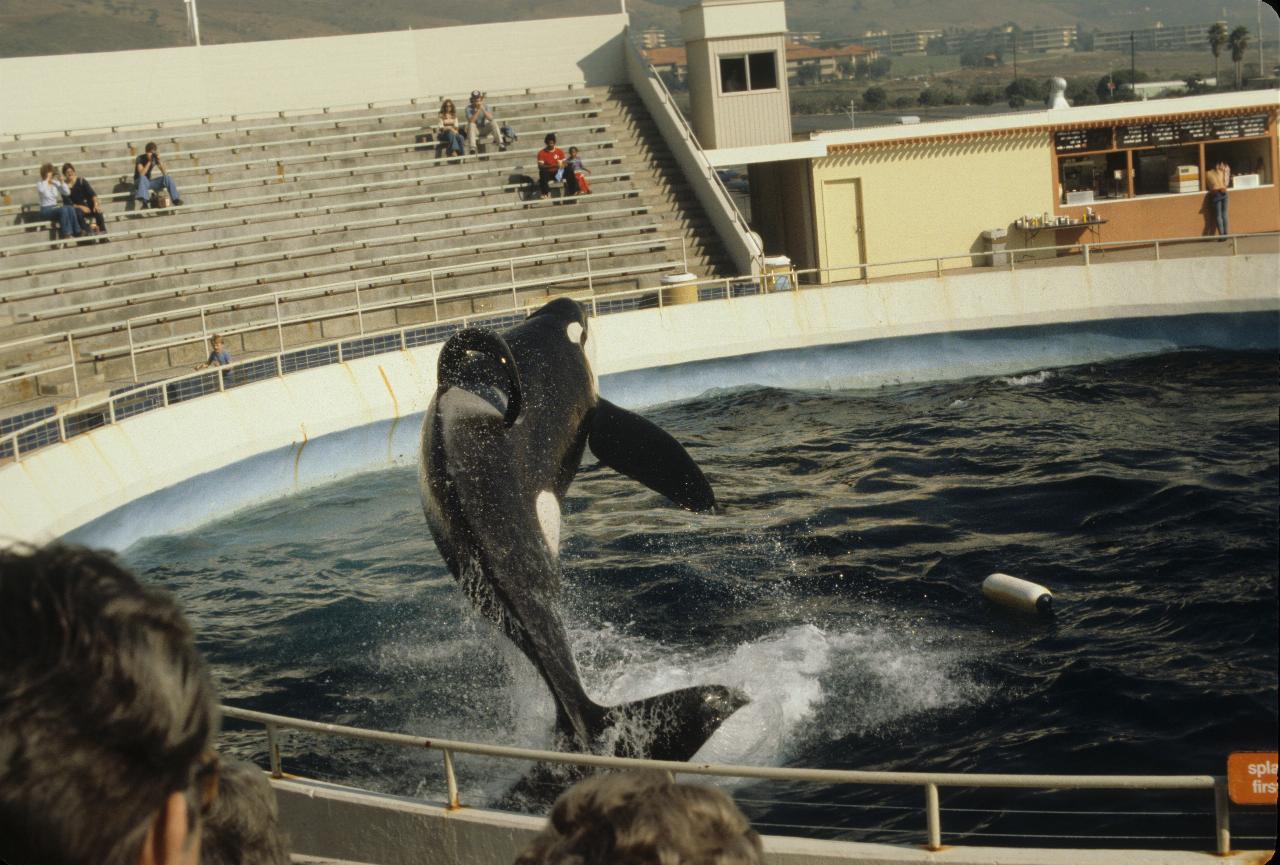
(51, 188)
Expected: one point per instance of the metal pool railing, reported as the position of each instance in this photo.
(147, 396)
(930, 783)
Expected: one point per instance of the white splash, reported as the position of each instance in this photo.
(1030, 378)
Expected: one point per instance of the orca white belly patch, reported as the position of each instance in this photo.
(548, 509)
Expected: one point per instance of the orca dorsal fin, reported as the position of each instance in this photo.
(643, 451)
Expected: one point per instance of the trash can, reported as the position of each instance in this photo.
(778, 275)
(679, 288)
(996, 239)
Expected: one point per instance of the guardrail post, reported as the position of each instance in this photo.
(359, 312)
(435, 303)
(273, 751)
(1157, 247)
(133, 358)
(1222, 816)
(279, 323)
(590, 285)
(452, 781)
(933, 816)
(75, 376)
(1088, 261)
(1235, 244)
(937, 265)
(684, 253)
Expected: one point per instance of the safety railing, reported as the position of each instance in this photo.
(929, 783)
(712, 288)
(133, 400)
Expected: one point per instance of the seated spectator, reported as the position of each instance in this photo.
(575, 174)
(148, 162)
(218, 356)
(241, 828)
(107, 715)
(480, 122)
(448, 130)
(550, 164)
(644, 818)
(85, 201)
(51, 188)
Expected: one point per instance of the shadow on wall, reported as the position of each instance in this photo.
(605, 65)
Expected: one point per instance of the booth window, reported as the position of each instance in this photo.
(743, 72)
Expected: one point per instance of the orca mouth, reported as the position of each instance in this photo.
(456, 366)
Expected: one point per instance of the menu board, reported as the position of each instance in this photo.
(1135, 135)
(1196, 129)
(1074, 140)
(1170, 132)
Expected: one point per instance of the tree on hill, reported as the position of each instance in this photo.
(1026, 90)
(1238, 41)
(1217, 40)
(874, 98)
(1111, 88)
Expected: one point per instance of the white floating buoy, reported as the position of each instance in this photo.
(1016, 593)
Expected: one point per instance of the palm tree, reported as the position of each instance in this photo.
(1217, 39)
(1238, 41)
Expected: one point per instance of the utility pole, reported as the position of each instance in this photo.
(852, 103)
(1133, 66)
(193, 22)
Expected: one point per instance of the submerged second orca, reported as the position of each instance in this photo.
(501, 443)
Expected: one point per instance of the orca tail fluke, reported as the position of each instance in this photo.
(670, 726)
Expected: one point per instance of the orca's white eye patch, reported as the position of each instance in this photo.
(574, 331)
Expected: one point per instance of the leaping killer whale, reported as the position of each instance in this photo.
(501, 443)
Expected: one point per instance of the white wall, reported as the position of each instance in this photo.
(121, 88)
(285, 421)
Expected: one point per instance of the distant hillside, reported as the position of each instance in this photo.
(850, 18)
(31, 27)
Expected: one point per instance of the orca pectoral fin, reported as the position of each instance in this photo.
(643, 451)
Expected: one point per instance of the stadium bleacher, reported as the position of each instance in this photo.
(323, 223)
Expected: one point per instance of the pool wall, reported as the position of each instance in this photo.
(171, 469)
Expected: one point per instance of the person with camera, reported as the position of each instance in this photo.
(480, 122)
(148, 162)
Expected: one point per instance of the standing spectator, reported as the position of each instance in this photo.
(242, 827)
(1218, 179)
(51, 188)
(107, 716)
(644, 818)
(480, 122)
(218, 356)
(550, 163)
(448, 129)
(84, 200)
(575, 174)
(148, 162)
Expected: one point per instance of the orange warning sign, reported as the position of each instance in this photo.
(1251, 777)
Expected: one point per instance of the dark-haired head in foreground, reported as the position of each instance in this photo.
(241, 827)
(643, 818)
(107, 715)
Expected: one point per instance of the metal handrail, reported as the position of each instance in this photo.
(10, 443)
(930, 782)
(704, 163)
(1084, 251)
